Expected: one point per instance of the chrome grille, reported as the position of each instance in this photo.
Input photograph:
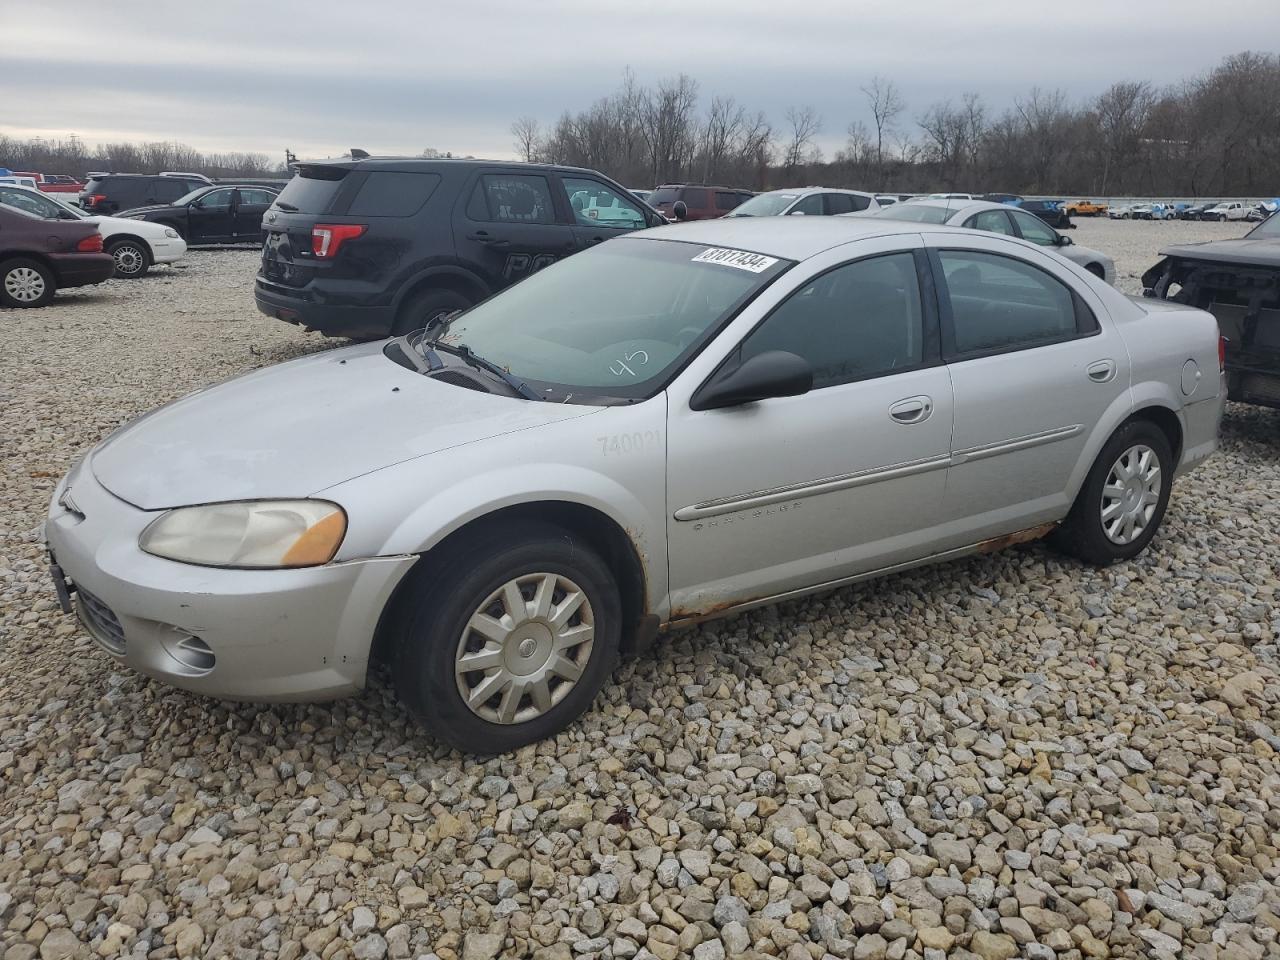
(100, 621)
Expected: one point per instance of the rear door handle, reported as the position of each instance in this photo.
(483, 237)
(1101, 371)
(911, 410)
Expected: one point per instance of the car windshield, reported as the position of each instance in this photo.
(188, 197)
(614, 321)
(915, 212)
(1268, 229)
(765, 205)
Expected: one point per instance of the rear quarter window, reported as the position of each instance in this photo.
(698, 199)
(388, 194)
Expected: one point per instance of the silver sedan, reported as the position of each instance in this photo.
(747, 410)
(999, 218)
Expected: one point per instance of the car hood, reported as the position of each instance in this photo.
(295, 429)
(110, 225)
(1262, 251)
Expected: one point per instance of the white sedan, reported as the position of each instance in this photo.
(135, 244)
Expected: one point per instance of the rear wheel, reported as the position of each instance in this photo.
(427, 308)
(1123, 499)
(511, 639)
(26, 283)
(132, 257)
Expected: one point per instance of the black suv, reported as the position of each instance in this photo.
(108, 193)
(223, 213)
(378, 247)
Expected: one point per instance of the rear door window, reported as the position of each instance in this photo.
(508, 198)
(391, 194)
(993, 221)
(838, 203)
(1000, 303)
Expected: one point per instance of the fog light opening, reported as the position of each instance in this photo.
(190, 651)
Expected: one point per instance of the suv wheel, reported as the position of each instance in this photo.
(511, 640)
(132, 257)
(427, 307)
(26, 283)
(1123, 500)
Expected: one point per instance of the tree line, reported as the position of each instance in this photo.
(75, 157)
(1214, 134)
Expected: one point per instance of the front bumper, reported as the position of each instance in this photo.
(273, 634)
(167, 250)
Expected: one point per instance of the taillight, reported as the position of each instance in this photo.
(1222, 354)
(94, 199)
(327, 238)
(90, 244)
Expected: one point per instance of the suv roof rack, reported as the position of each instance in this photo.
(180, 173)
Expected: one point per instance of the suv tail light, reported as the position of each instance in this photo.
(94, 199)
(327, 238)
(1222, 354)
(90, 244)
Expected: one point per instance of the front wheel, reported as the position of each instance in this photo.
(132, 257)
(510, 640)
(1123, 499)
(26, 283)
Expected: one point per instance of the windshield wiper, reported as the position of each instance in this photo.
(472, 359)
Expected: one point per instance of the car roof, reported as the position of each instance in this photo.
(414, 164)
(805, 191)
(792, 238)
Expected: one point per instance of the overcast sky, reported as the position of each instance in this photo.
(395, 76)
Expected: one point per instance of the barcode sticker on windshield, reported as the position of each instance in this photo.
(754, 262)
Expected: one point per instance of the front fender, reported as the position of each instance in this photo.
(411, 507)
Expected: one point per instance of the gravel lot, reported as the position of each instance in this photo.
(1008, 756)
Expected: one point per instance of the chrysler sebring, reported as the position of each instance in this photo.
(670, 426)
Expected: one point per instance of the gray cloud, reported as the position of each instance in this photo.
(395, 77)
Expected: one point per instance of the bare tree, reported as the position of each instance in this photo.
(805, 124)
(667, 125)
(886, 104)
(528, 133)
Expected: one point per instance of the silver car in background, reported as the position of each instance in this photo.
(806, 201)
(504, 505)
(1001, 218)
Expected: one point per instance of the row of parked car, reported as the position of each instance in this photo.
(1220, 210)
(139, 220)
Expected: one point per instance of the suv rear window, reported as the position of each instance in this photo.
(312, 189)
(389, 194)
(663, 195)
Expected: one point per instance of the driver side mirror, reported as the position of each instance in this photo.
(1064, 240)
(775, 373)
(679, 210)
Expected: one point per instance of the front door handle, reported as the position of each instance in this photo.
(483, 237)
(1101, 371)
(911, 410)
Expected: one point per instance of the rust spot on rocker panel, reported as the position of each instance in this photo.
(1010, 539)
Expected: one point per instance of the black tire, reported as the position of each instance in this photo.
(133, 258)
(453, 589)
(16, 283)
(1083, 534)
(1096, 270)
(426, 307)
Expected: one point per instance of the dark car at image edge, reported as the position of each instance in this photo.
(368, 248)
(39, 255)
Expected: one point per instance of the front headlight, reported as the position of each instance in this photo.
(254, 534)
(172, 234)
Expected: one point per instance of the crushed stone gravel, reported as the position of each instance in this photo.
(1008, 756)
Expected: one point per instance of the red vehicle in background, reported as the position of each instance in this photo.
(690, 201)
(39, 255)
(52, 182)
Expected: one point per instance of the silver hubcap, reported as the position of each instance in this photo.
(128, 259)
(24, 284)
(1130, 495)
(524, 648)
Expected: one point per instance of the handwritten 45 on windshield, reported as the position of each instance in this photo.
(625, 366)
